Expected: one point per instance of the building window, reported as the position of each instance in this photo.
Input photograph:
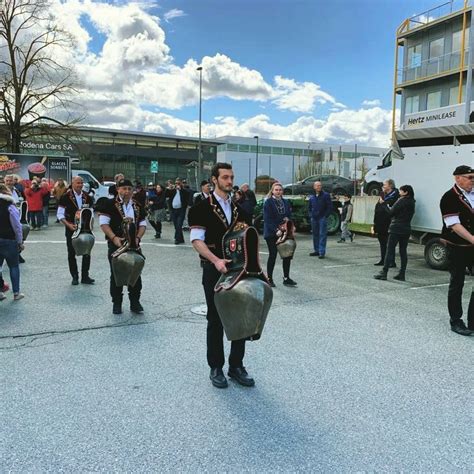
(412, 104)
(453, 95)
(244, 148)
(436, 48)
(277, 151)
(414, 56)
(232, 147)
(457, 40)
(433, 100)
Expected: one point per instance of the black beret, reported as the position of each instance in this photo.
(124, 182)
(204, 182)
(463, 169)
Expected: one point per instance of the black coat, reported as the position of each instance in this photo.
(401, 214)
(381, 217)
(183, 194)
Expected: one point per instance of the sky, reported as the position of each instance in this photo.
(309, 70)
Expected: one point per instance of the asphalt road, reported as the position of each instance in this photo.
(352, 374)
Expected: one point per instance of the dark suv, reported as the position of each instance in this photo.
(331, 183)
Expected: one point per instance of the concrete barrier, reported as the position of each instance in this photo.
(363, 212)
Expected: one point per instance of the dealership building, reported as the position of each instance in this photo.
(106, 152)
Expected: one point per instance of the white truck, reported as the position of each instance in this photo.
(425, 159)
(100, 190)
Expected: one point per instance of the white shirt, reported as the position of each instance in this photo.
(200, 234)
(60, 214)
(177, 200)
(453, 220)
(128, 212)
(15, 195)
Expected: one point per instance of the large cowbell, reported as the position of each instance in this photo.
(25, 227)
(128, 261)
(243, 295)
(286, 243)
(83, 239)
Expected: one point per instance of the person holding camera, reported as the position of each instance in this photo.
(11, 240)
(34, 197)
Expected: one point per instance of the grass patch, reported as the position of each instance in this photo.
(360, 228)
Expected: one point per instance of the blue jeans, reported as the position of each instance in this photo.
(177, 216)
(319, 228)
(35, 218)
(9, 251)
(45, 215)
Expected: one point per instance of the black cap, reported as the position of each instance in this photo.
(124, 182)
(204, 182)
(463, 169)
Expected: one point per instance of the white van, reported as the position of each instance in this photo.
(99, 189)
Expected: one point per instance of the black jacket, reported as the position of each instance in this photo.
(401, 214)
(183, 194)
(381, 217)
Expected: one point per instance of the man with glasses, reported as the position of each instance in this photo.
(457, 209)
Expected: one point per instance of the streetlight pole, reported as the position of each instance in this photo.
(200, 121)
(256, 164)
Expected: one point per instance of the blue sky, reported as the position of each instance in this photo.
(297, 69)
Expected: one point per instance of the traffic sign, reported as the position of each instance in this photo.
(154, 167)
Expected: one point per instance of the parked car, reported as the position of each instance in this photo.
(331, 183)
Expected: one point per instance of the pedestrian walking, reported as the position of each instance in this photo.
(401, 214)
(276, 211)
(210, 219)
(179, 199)
(11, 240)
(46, 199)
(205, 192)
(346, 217)
(69, 207)
(319, 209)
(157, 209)
(457, 209)
(382, 219)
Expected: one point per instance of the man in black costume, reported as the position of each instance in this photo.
(209, 220)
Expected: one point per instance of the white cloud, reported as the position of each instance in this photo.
(131, 71)
(173, 13)
(371, 103)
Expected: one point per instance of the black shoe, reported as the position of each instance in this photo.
(322, 256)
(314, 254)
(271, 282)
(87, 281)
(75, 281)
(399, 276)
(178, 242)
(352, 237)
(289, 282)
(21, 259)
(379, 264)
(218, 378)
(240, 375)
(460, 328)
(381, 276)
(342, 241)
(117, 308)
(157, 236)
(392, 265)
(136, 307)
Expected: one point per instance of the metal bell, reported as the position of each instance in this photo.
(287, 248)
(127, 267)
(83, 239)
(25, 229)
(244, 309)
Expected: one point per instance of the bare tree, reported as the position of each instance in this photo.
(36, 83)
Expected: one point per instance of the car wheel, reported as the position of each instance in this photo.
(436, 254)
(333, 222)
(374, 189)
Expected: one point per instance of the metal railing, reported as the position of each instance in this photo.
(435, 13)
(431, 67)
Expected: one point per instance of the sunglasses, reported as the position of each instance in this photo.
(471, 176)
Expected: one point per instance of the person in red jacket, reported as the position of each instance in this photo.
(34, 197)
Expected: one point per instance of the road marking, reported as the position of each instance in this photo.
(360, 264)
(428, 286)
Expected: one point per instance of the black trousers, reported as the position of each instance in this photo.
(215, 331)
(272, 249)
(383, 239)
(157, 226)
(402, 241)
(177, 216)
(116, 292)
(459, 259)
(71, 258)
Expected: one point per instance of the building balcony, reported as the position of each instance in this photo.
(429, 69)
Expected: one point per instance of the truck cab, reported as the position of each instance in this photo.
(99, 189)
